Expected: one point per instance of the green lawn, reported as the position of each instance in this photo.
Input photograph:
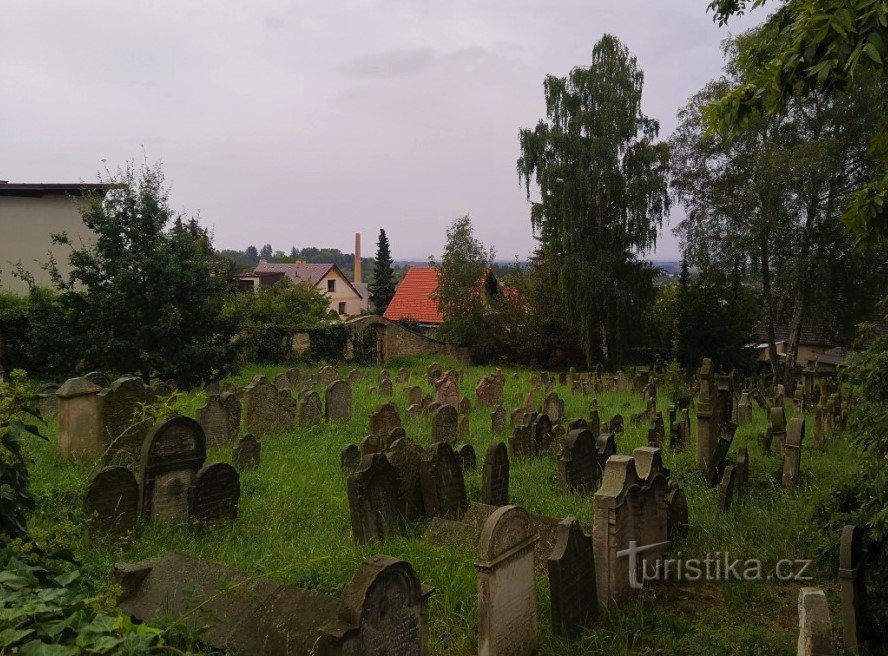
(294, 526)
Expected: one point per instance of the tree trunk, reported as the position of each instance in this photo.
(769, 304)
(801, 285)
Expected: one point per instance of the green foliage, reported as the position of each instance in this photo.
(16, 426)
(328, 342)
(14, 328)
(603, 185)
(464, 286)
(283, 305)
(817, 47)
(382, 289)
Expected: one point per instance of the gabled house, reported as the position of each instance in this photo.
(345, 299)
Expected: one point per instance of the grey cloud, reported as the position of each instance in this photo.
(393, 63)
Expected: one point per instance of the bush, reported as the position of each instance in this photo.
(15, 324)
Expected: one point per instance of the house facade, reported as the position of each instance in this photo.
(30, 213)
(344, 298)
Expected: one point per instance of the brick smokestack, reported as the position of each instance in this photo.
(358, 257)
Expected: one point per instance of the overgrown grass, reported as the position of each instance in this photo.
(294, 526)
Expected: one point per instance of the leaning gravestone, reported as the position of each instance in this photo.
(172, 454)
(578, 463)
(122, 425)
(443, 486)
(507, 607)
(247, 453)
(792, 451)
(111, 504)
(266, 409)
(571, 568)
(445, 425)
(220, 417)
(215, 494)
(447, 391)
(375, 503)
(338, 401)
(405, 456)
(495, 476)
(726, 490)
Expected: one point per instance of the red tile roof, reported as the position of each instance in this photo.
(412, 298)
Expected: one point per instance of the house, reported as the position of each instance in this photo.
(345, 299)
(812, 343)
(414, 297)
(30, 213)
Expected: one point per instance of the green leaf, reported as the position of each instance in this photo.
(8, 637)
(36, 648)
(873, 53)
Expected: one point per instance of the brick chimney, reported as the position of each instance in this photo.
(357, 257)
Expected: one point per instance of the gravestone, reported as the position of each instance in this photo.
(403, 375)
(405, 456)
(445, 424)
(815, 628)
(852, 578)
(744, 409)
(578, 463)
(507, 607)
(443, 486)
(215, 494)
(111, 504)
(375, 504)
(792, 451)
(267, 409)
(414, 411)
(605, 447)
(327, 375)
(309, 408)
(489, 390)
(98, 378)
(122, 427)
(247, 453)
(521, 443)
(433, 372)
(571, 567)
(372, 444)
(498, 420)
(516, 417)
(397, 433)
(677, 508)
(338, 401)
(349, 458)
(495, 476)
(447, 391)
(80, 435)
(467, 456)
(294, 376)
(282, 381)
(47, 402)
(554, 407)
(764, 439)
(383, 419)
(541, 436)
(616, 424)
(726, 490)
(465, 406)
(414, 395)
(220, 417)
(385, 387)
(778, 428)
(172, 454)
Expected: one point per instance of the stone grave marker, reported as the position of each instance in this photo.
(852, 577)
(443, 485)
(541, 436)
(111, 504)
(80, 435)
(578, 463)
(403, 375)
(282, 381)
(375, 504)
(383, 419)
(309, 408)
(571, 567)
(495, 476)
(354, 376)
(405, 456)
(605, 446)
(172, 453)
(792, 451)
(467, 456)
(385, 387)
(554, 407)
(267, 409)
(121, 408)
(815, 628)
(47, 402)
(616, 424)
(447, 391)
(726, 490)
(414, 395)
(521, 443)
(445, 424)
(498, 420)
(338, 401)
(677, 508)
(98, 378)
(507, 607)
(778, 428)
(349, 457)
(220, 417)
(247, 453)
(215, 494)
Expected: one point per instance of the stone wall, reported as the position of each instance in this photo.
(398, 341)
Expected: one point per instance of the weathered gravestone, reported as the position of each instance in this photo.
(282, 381)
(403, 375)
(507, 608)
(571, 568)
(447, 391)
(215, 493)
(111, 504)
(778, 428)
(122, 424)
(247, 453)
(467, 456)
(677, 518)
(414, 395)
(541, 436)
(629, 508)
(852, 577)
(385, 387)
(220, 417)
(616, 424)
(554, 407)
(445, 424)
(47, 402)
(172, 454)
(578, 463)
(605, 447)
(726, 490)
(375, 504)
(309, 408)
(338, 401)
(521, 443)
(349, 458)
(744, 409)
(489, 390)
(405, 456)
(327, 375)
(80, 434)
(98, 378)
(713, 413)
(443, 485)
(383, 419)
(495, 476)
(498, 420)
(815, 628)
(266, 409)
(792, 451)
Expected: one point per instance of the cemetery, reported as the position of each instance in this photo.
(497, 540)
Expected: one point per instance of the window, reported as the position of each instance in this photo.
(331, 285)
(341, 306)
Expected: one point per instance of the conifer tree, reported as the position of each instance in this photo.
(382, 290)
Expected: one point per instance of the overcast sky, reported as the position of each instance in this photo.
(301, 123)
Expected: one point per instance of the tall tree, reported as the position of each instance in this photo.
(603, 193)
(461, 295)
(382, 290)
(252, 255)
(265, 252)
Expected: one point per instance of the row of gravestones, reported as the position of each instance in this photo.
(175, 483)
